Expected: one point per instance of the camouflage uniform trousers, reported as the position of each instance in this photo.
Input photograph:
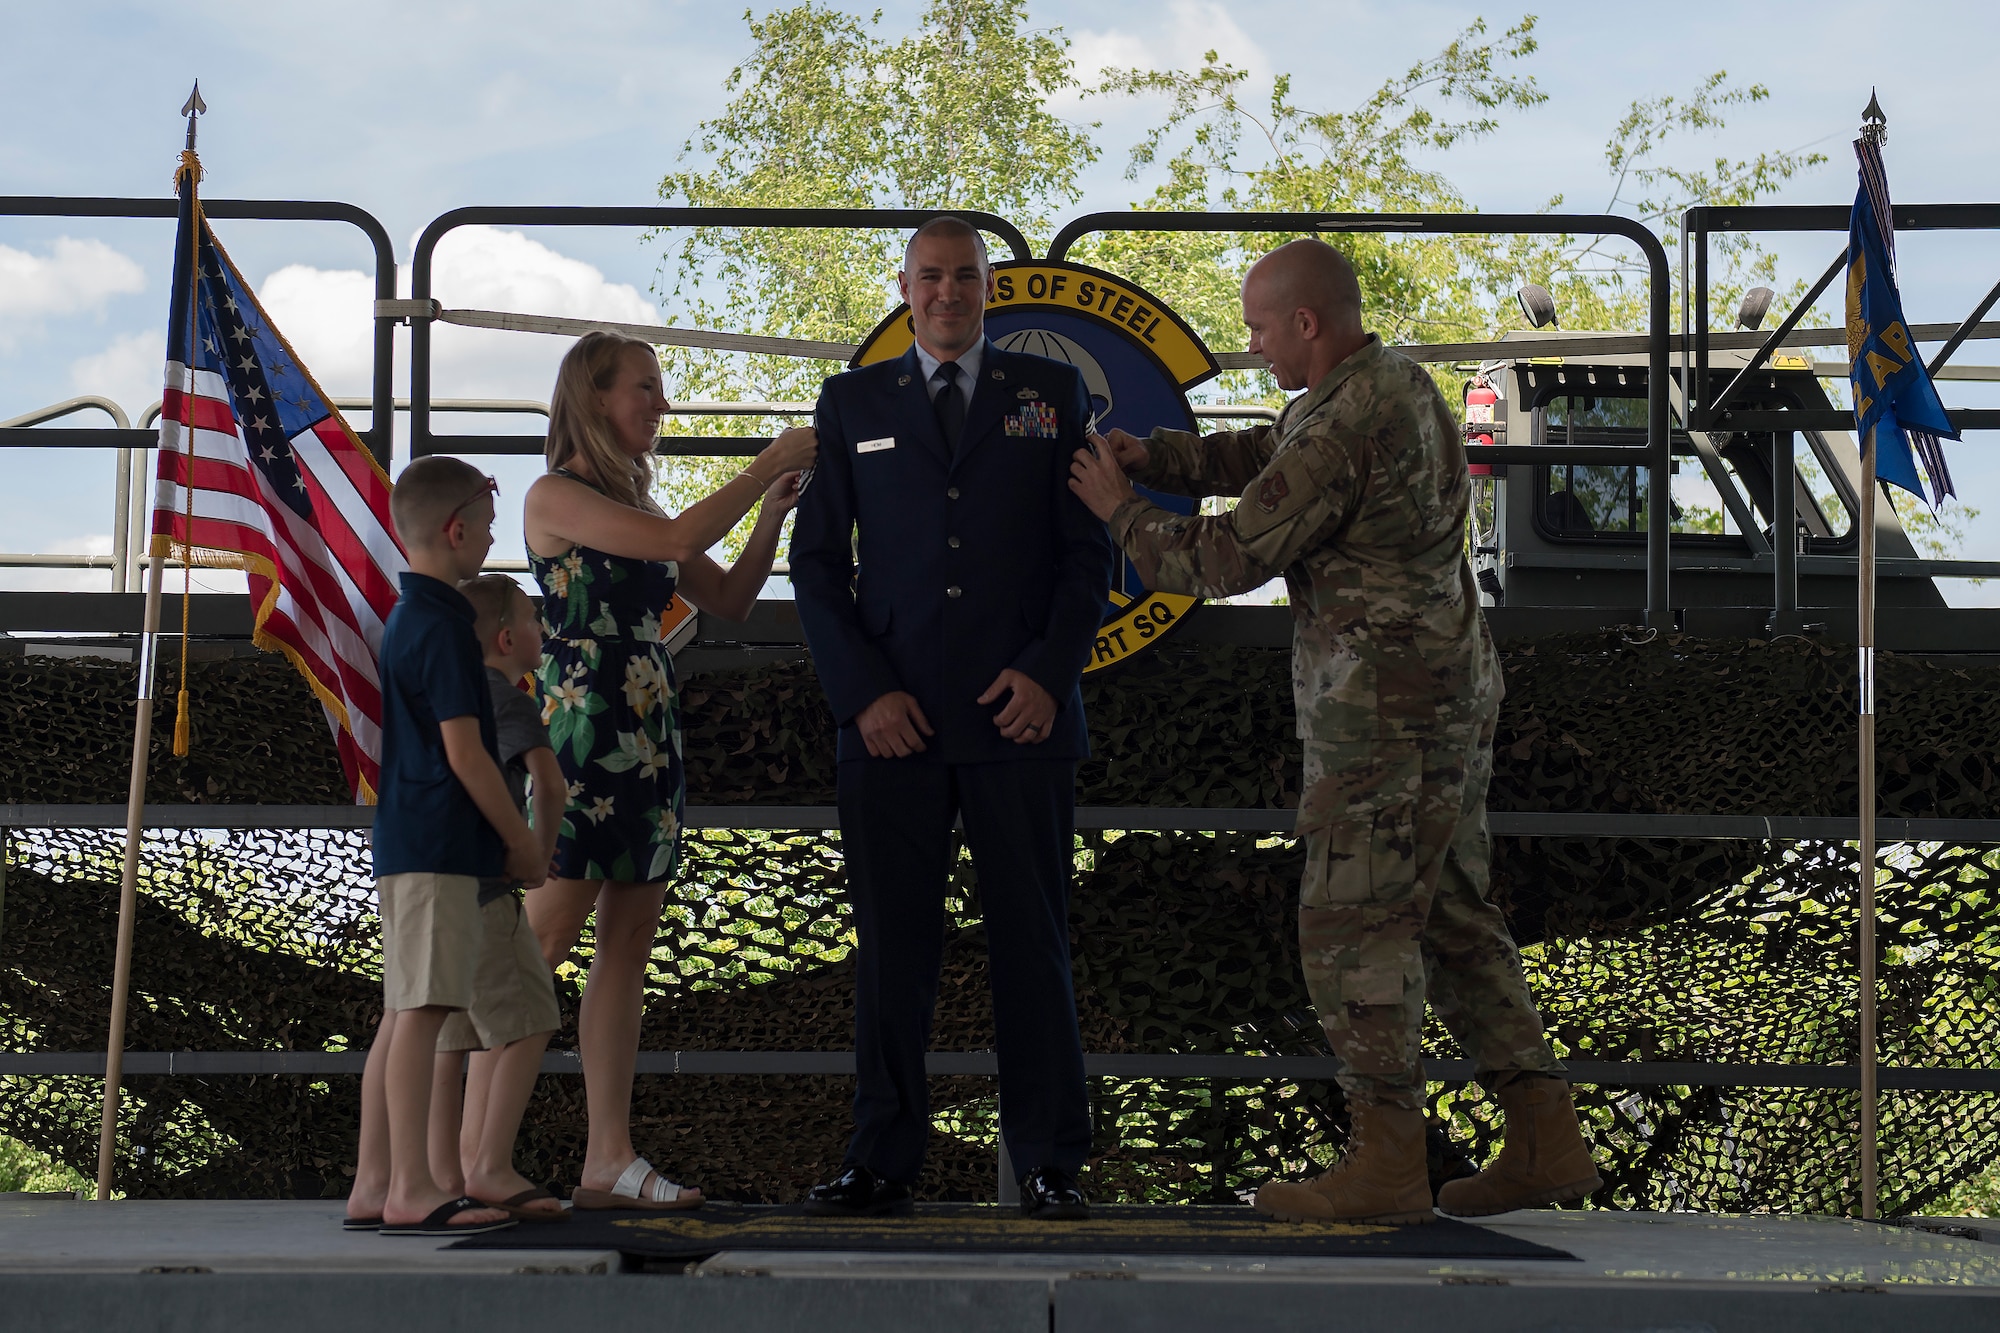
(1395, 905)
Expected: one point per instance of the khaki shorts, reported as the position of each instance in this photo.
(513, 995)
(430, 939)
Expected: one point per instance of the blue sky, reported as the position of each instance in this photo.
(411, 109)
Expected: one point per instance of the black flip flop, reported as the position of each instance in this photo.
(439, 1221)
(360, 1224)
(517, 1207)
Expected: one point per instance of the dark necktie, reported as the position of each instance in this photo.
(950, 404)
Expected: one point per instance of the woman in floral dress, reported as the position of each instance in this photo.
(609, 561)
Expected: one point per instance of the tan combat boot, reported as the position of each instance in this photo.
(1543, 1159)
(1381, 1177)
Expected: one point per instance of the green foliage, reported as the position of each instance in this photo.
(1977, 1197)
(1936, 533)
(1270, 154)
(23, 1169)
(1597, 283)
(828, 112)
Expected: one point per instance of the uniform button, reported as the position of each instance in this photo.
(951, 494)
(952, 542)
(952, 591)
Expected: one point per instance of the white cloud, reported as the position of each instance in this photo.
(130, 371)
(1190, 29)
(75, 277)
(328, 317)
(327, 313)
(483, 268)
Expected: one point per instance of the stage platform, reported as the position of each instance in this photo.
(70, 1265)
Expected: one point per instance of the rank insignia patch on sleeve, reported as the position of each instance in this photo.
(1272, 492)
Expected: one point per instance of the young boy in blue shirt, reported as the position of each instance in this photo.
(443, 823)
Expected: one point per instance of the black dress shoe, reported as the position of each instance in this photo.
(1050, 1193)
(859, 1192)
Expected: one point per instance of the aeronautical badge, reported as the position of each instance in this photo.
(1035, 421)
(1026, 395)
(1272, 492)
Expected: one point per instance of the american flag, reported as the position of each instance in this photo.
(279, 488)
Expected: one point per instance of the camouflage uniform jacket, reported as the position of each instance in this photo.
(1359, 494)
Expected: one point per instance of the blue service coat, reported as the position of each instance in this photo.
(964, 565)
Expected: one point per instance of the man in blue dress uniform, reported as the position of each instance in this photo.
(951, 586)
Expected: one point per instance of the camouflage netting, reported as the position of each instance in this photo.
(1651, 949)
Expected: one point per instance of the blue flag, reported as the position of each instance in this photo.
(1893, 392)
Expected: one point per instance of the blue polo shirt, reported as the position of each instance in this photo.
(432, 671)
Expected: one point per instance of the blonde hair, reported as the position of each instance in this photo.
(494, 598)
(577, 429)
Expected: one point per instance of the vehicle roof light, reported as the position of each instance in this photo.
(1538, 305)
(1756, 304)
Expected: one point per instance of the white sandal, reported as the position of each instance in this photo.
(631, 1191)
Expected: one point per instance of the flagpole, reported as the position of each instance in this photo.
(142, 723)
(128, 884)
(1866, 736)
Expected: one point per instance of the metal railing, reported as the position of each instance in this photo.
(1712, 412)
(1655, 455)
(130, 503)
(273, 210)
(423, 259)
(118, 562)
(131, 441)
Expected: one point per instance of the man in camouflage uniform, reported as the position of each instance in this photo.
(1358, 494)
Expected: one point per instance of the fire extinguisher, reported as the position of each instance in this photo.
(1479, 400)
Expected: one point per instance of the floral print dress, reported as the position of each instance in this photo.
(611, 705)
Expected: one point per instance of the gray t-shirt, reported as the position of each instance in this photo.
(518, 727)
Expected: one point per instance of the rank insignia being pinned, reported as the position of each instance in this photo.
(1035, 421)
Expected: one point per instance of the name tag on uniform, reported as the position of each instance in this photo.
(875, 446)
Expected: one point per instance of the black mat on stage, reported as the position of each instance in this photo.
(970, 1228)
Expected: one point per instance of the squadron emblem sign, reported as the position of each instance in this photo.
(1138, 361)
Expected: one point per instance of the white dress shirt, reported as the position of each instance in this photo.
(968, 371)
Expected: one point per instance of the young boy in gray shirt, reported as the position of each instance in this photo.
(513, 1011)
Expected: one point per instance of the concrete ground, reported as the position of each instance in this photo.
(251, 1265)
